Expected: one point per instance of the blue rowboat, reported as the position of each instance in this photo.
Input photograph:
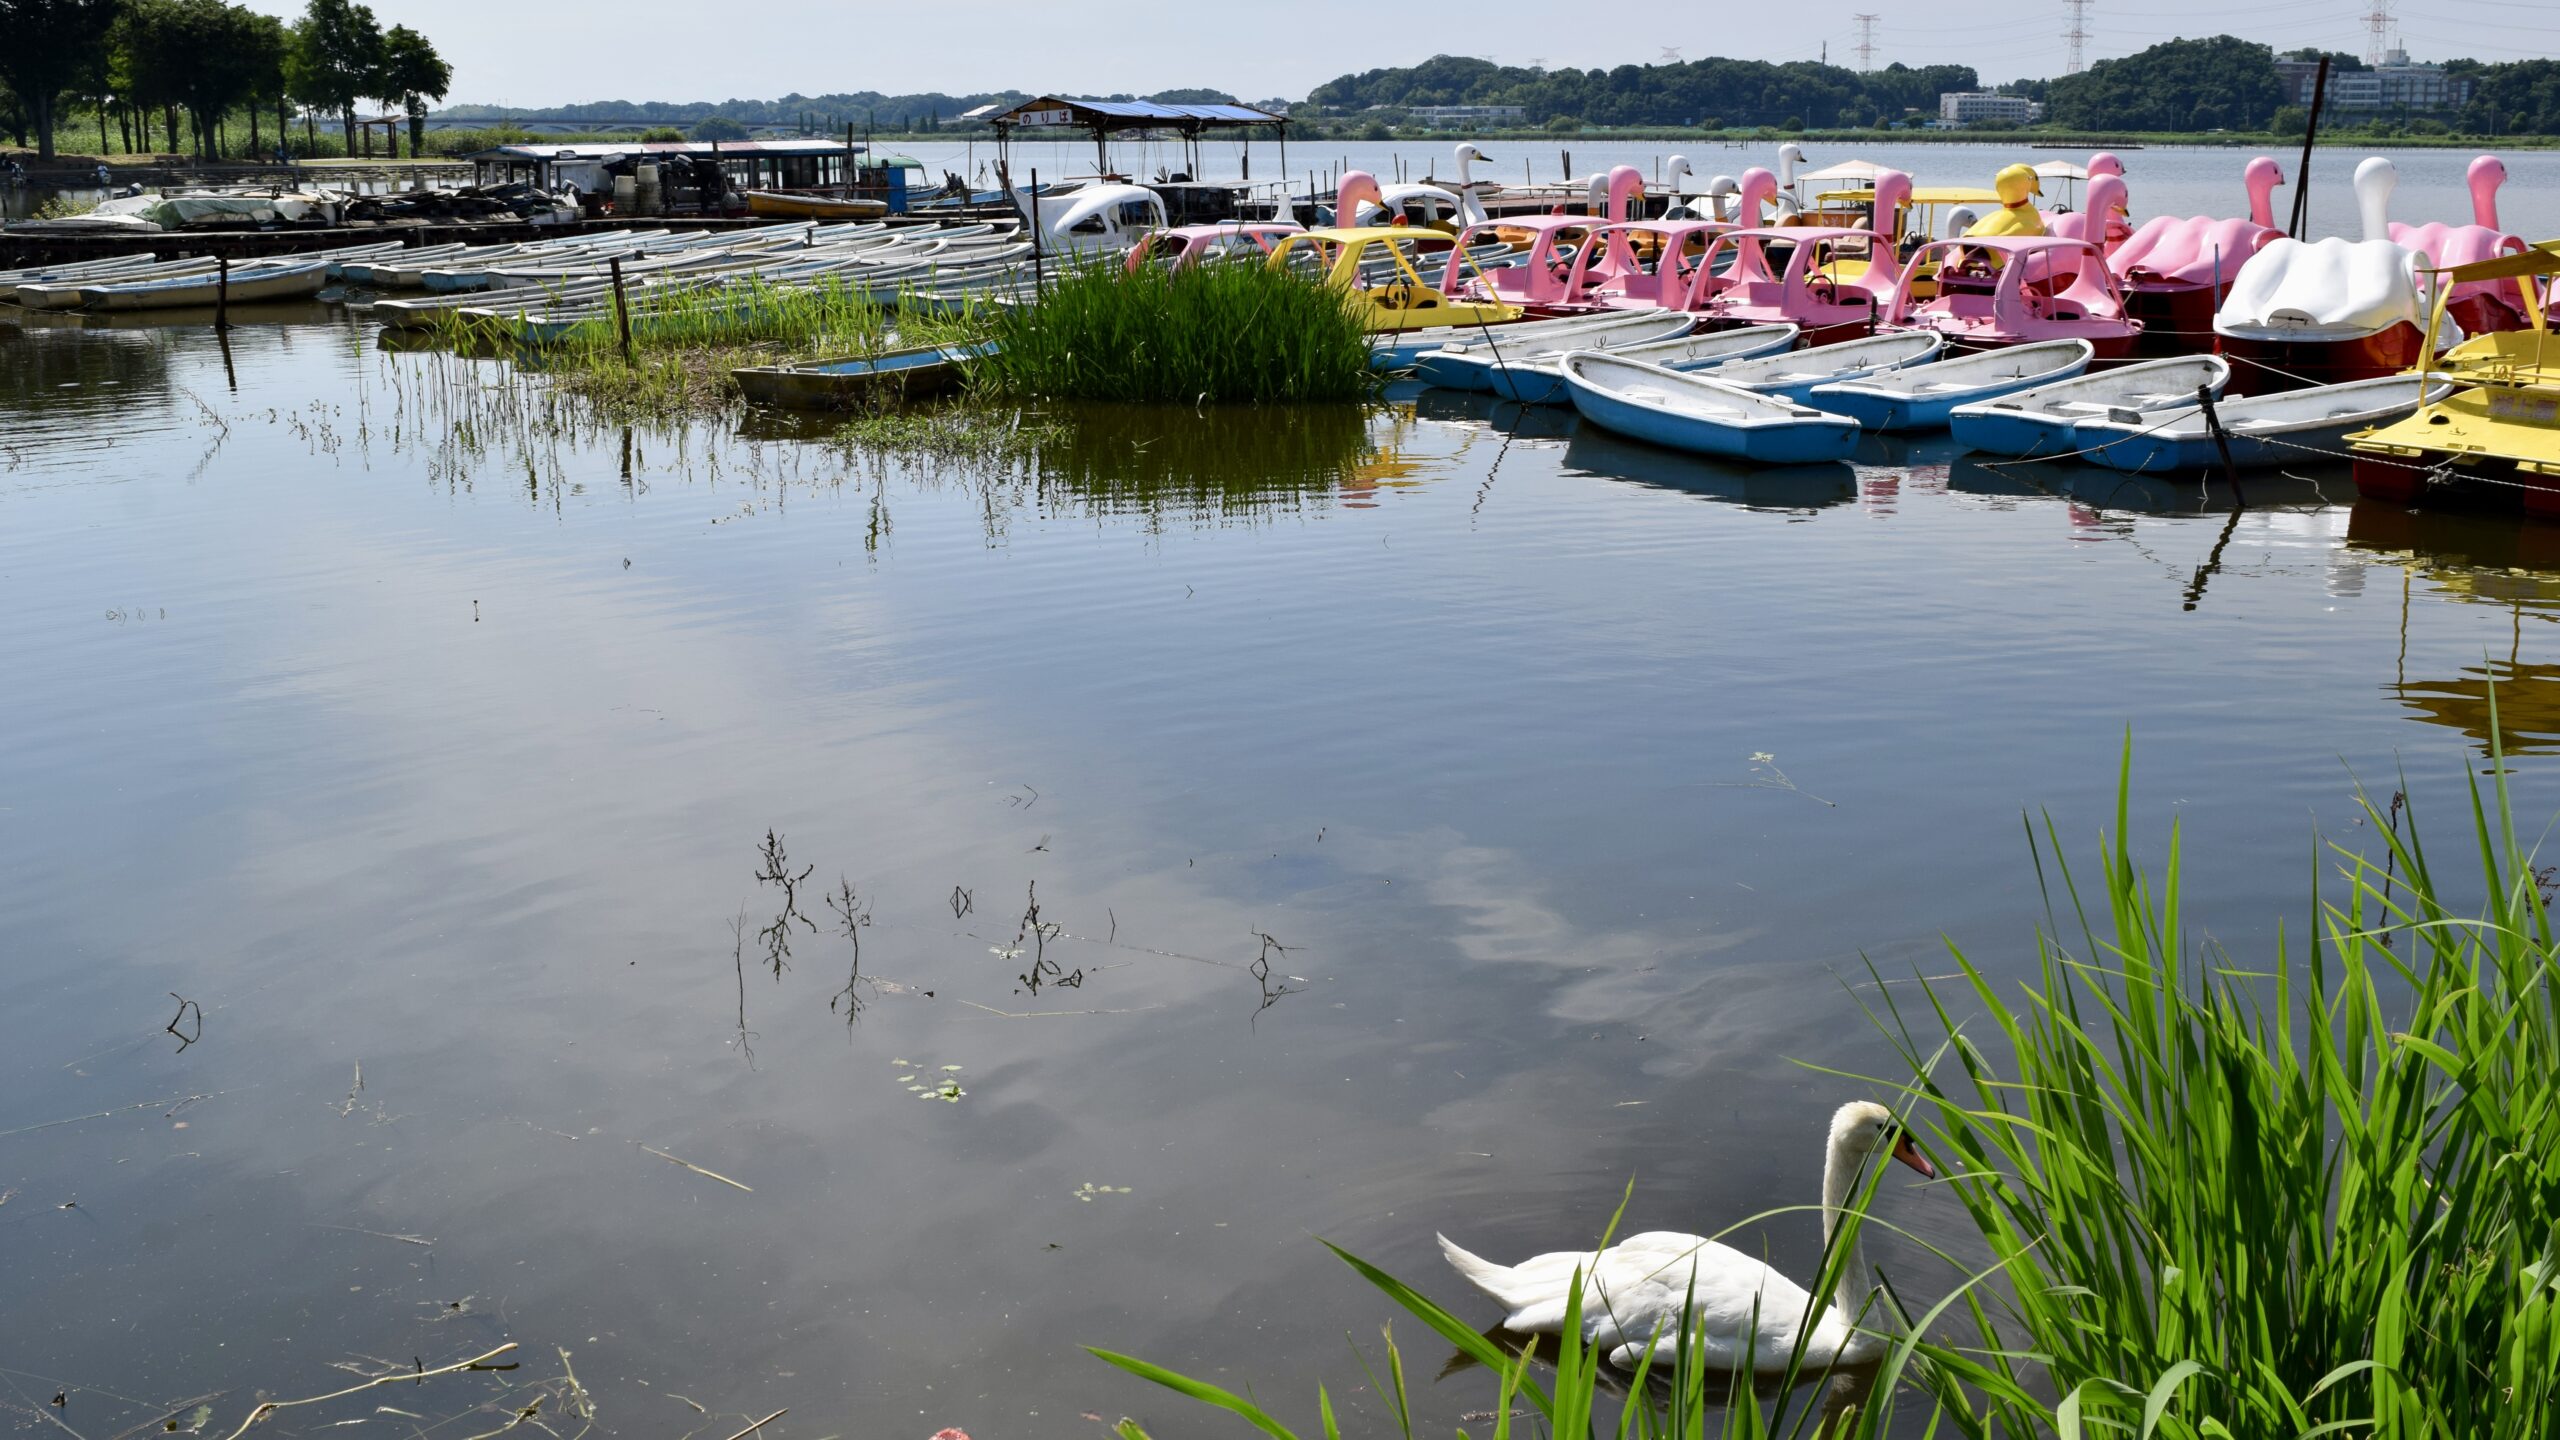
(1794, 376)
(2263, 430)
(1465, 359)
(838, 383)
(1921, 397)
(1699, 414)
(2029, 423)
(1538, 381)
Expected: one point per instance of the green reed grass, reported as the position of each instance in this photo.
(686, 343)
(2315, 1198)
(1211, 333)
(2320, 1195)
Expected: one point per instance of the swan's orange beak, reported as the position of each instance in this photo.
(1909, 1154)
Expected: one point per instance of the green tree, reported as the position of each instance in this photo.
(2289, 122)
(338, 50)
(719, 127)
(207, 57)
(2220, 83)
(266, 45)
(48, 47)
(414, 74)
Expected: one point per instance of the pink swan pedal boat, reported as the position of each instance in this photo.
(1184, 246)
(2177, 269)
(1538, 276)
(1642, 264)
(1795, 275)
(2001, 290)
(2478, 306)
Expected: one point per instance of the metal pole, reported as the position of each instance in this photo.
(621, 308)
(2310, 133)
(222, 292)
(1039, 272)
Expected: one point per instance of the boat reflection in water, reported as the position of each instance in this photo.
(2483, 559)
(1803, 488)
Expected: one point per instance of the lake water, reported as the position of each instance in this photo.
(1436, 819)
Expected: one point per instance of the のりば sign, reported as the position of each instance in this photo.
(1059, 116)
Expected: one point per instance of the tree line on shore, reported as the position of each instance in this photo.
(2220, 83)
(178, 71)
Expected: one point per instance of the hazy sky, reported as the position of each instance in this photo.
(538, 52)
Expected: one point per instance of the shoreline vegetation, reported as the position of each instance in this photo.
(1228, 334)
(2313, 1195)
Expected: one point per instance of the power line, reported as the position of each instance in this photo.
(2377, 31)
(1866, 41)
(2077, 35)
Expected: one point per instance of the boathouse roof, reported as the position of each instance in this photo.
(705, 149)
(1108, 115)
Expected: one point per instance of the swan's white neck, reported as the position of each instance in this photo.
(1840, 1172)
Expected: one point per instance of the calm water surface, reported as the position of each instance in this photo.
(1435, 820)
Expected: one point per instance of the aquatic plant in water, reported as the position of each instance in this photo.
(1215, 333)
(2317, 1198)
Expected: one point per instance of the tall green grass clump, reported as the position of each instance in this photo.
(1217, 333)
(2314, 1196)
(2320, 1197)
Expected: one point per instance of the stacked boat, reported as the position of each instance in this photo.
(178, 284)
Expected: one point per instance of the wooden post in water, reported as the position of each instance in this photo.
(222, 292)
(2221, 440)
(1039, 276)
(621, 308)
(2310, 133)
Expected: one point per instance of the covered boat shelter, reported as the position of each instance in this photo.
(749, 164)
(1105, 118)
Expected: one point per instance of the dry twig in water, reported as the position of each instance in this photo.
(750, 1430)
(696, 1169)
(476, 1362)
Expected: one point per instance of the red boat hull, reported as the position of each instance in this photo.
(2446, 480)
(2264, 367)
(2177, 318)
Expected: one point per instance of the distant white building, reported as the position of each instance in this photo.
(1455, 117)
(2395, 84)
(1964, 107)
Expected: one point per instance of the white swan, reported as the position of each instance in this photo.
(1633, 1292)
(1470, 205)
(1724, 199)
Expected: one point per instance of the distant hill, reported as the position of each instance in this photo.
(1694, 92)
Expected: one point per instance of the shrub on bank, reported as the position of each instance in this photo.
(1211, 333)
